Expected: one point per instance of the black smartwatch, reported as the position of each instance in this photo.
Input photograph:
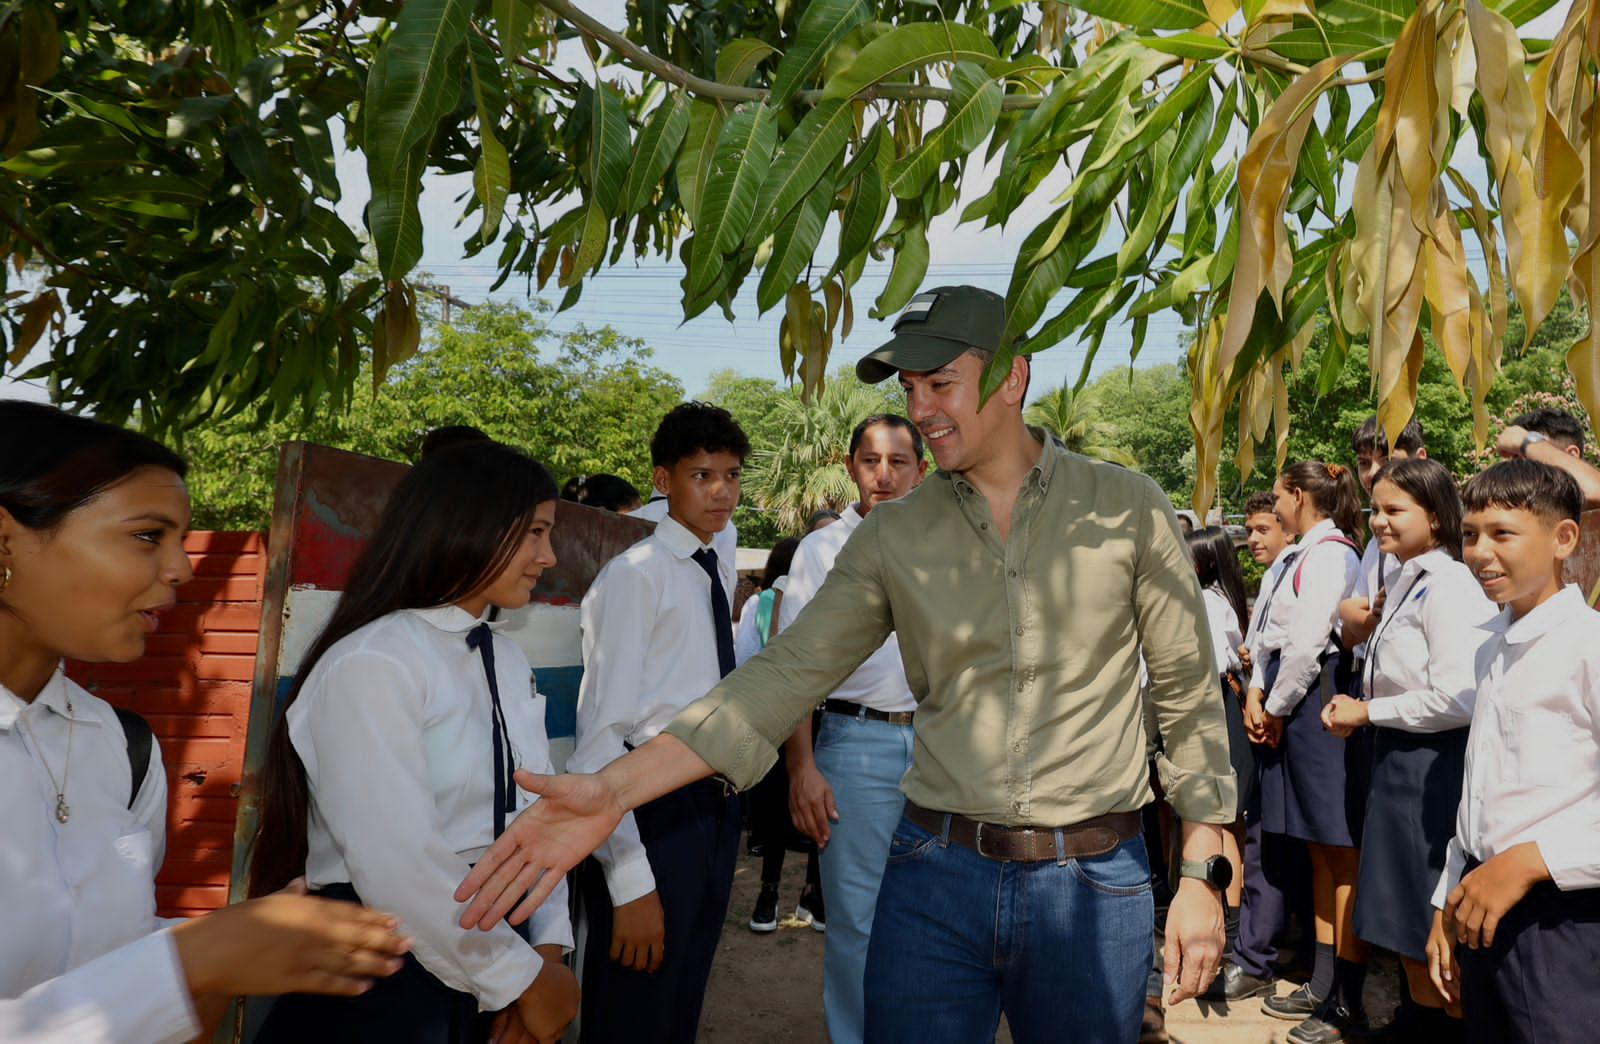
(1216, 871)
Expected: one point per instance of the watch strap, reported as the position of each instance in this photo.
(1532, 438)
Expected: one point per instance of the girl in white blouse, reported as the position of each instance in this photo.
(92, 519)
(391, 769)
(1420, 686)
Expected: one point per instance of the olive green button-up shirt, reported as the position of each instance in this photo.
(1023, 654)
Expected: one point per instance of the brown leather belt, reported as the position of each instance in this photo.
(1030, 844)
(856, 710)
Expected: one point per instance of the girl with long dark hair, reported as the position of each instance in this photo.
(1420, 687)
(1313, 785)
(92, 519)
(390, 770)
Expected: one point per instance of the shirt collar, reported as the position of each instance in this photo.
(1542, 619)
(55, 697)
(850, 517)
(677, 538)
(454, 619)
(1040, 474)
(1429, 561)
(1325, 528)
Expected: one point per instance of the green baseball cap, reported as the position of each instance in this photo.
(936, 327)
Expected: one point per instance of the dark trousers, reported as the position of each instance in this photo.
(1537, 983)
(1274, 874)
(692, 839)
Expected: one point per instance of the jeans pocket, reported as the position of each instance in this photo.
(1121, 871)
(910, 842)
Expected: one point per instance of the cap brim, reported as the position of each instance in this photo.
(916, 352)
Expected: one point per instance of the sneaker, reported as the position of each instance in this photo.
(809, 910)
(1332, 1024)
(1292, 1006)
(765, 919)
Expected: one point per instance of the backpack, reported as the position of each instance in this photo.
(140, 743)
(1336, 539)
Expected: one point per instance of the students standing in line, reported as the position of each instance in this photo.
(1419, 690)
(390, 770)
(1518, 927)
(92, 519)
(1313, 784)
(657, 633)
(846, 793)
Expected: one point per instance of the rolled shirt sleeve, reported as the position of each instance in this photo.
(1176, 642)
(136, 994)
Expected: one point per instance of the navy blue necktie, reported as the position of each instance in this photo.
(721, 614)
(505, 788)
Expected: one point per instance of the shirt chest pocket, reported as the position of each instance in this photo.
(120, 887)
(1545, 749)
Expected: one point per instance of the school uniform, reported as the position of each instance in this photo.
(402, 737)
(1420, 683)
(651, 646)
(83, 956)
(1225, 641)
(1313, 784)
(1369, 582)
(1533, 775)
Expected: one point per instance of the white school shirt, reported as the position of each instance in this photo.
(83, 957)
(1327, 576)
(1269, 619)
(395, 727)
(649, 650)
(880, 681)
(1420, 674)
(724, 541)
(747, 637)
(1368, 583)
(1533, 753)
(1224, 623)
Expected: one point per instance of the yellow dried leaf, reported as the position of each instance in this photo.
(1399, 403)
(1408, 118)
(1445, 281)
(36, 315)
(1207, 407)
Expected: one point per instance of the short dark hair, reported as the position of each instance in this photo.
(1431, 485)
(779, 559)
(611, 492)
(449, 435)
(1261, 503)
(894, 420)
(1558, 426)
(1525, 485)
(820, 515)
(696, 427)
(56, 462)
(1370, 438)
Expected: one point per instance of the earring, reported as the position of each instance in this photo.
(5, 577)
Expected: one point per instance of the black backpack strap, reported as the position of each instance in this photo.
(140, 741)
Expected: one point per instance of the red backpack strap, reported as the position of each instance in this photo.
(1334, 539)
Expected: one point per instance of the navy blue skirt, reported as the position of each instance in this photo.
(1241, 754)
(1411, 816)
(1314, 784)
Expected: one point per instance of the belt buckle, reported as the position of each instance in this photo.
(977, 842)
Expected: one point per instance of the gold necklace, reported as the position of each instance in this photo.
(63, 810)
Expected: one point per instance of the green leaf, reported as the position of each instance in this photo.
(794, 245)
(739, 58)
(1173, 290)
(1148, 14)
(514, 20)
(858, 226)
(906, 276)
(414, 82)
(1146, 129)
(1034, 283)
(743, 157)
(811, 150)
(1381, 18)
(313, 146)
(596, 228)
(907, 47)
(974, 105)
(699, 148)
(491, 176)
(823, 25)
(1521, 12)
(658, 144)
(1189, 45)
(610, 150)
(1313, 45)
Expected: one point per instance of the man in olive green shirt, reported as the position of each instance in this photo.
(1023, 582)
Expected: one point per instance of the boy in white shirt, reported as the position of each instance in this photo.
(1518, 924)
(656, 635)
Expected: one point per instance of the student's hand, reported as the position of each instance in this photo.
(573, 816)
(1255, 710)
(1194, 941)
(1343, 716)
(811, 804)
(1245, 658)
(1485, 896)
(1271, 728)
(1357, 620)
(289, 942)
(1442, 967)
(546, 1008)
(638, 933)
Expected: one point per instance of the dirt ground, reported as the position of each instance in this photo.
(769, 987)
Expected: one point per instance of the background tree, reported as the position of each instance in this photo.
(580, 402)
(1070, 417)
(169, 168)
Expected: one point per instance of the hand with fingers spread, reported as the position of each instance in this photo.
(289, 942)
(811, 804)
(638, 933)
(1488, 893)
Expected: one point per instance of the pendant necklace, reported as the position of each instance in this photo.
(63, 810)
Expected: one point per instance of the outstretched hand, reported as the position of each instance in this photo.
(573, 816)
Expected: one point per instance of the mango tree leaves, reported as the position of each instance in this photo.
(909, 47)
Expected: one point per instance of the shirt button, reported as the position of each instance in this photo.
(1019, 628)
(983, 525)
(1012, 574)
(1017, 746)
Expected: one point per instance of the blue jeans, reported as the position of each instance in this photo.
(1062, 948)
(864, 761)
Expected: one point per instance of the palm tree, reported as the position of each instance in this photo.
(1068, 416)
(806, 471)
